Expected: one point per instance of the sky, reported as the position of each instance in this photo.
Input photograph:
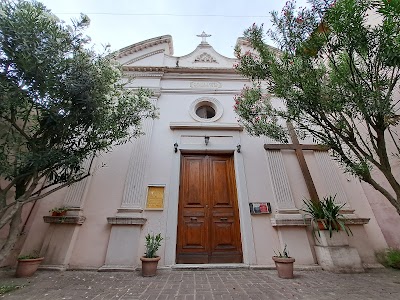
(121, 23)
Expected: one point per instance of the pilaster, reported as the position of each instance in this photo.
(331, 178)
(126, 224)
(288, 221)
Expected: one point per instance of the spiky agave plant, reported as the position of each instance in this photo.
(153, 242)
(326, 212)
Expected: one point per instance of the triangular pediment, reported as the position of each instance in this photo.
(158, 52)
(204, 56)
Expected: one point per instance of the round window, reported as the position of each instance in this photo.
(205, 112)
(206, 109)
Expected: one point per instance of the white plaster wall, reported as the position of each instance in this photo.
(103, 198)
(106, 188)
(260, 190)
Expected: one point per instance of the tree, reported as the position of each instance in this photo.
(338, 75)
(60, 103)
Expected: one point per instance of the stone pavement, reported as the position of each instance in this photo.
(205, 284)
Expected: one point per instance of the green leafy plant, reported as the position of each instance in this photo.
(153, 243)
(61, 104)
(283, 254)
(35, 254)
(59, 209)
(337, 71)
(389, 258)
(4, 289)
(327, 213)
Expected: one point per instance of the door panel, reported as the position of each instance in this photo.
(193, 225)
(208, 220)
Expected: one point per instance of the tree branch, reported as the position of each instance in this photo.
(27, 137)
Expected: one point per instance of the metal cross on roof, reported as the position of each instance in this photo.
(203, 36)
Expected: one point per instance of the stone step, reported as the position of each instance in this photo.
(240, 266)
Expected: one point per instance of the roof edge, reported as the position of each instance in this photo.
(145, 44)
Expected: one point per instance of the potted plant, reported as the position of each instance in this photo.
(28, 264)
(150, 259)
(284, 263)
(59, 211)
(325, 215)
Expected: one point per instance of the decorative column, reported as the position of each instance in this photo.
(61, 235)
(287, 219)
(285, 206)
(74, 196)
(135, 190)
(126, 224)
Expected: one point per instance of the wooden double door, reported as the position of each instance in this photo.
(208, 216)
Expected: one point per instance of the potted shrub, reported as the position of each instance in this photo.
(150, 259)
(59, 211)
(28, 264)
(284, 263)
(325, 215)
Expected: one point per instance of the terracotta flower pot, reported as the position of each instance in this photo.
(284, 266)
(27, 267)
(149, 266)
(322, 227)
(58, 214)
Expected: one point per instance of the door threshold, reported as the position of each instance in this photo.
(209, 266)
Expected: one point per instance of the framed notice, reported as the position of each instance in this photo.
(258, 208)
(155, 197)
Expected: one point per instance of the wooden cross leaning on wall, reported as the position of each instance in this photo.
(298, 148)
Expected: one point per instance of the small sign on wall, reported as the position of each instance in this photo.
(258, 208)
(155, 197)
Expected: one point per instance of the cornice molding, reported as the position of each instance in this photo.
(180, 70)
(307, 222)
(144, 56)
(202, 91)
(126, 221)
(145, 44)
(205, 126)
(78, 220)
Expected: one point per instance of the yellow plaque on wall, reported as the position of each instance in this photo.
(155, 197)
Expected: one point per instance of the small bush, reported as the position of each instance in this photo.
(153, 242)
(8, 288)
(389, 258)
(35, 254)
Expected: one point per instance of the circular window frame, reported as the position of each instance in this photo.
(206, 101)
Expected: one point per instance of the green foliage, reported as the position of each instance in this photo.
(35, 254)
(61, 104)
(389, 258)
(328, 213)
(283, 254)
(153, 242)
(334, 77)
(4, 289)
(59, 209)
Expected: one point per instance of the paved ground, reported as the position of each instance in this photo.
(210, 284)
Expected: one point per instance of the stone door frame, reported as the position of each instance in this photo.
(246, 230)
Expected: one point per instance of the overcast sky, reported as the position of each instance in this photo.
(124, 22)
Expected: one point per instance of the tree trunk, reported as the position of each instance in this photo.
(13, 235)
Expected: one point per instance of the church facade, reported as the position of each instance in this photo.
(216, 194)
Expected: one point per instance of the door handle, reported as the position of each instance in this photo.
(193, 219)
(224, 219)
